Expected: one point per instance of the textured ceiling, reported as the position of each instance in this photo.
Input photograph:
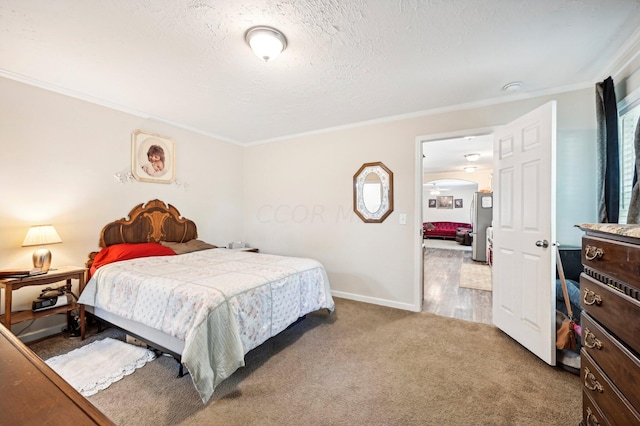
(348, 61)
(449, 155)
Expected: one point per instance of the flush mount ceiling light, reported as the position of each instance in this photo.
(472, 157)
(514, 86)
(469, 169)
(266, 42)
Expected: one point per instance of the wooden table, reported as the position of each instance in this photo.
(64, 273)
(31, 393)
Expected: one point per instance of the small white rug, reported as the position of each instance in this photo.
(96, 366)
(476, 276)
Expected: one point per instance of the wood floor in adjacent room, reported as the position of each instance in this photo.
(442, 294)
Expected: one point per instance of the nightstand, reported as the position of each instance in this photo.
(64, 273)
(248, 249)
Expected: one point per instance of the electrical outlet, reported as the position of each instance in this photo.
(403, 218)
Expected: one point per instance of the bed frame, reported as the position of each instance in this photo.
(154, 221)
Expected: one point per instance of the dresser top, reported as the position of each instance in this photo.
(33, 393)
(630, 231)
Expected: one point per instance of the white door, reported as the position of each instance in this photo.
(524, 230)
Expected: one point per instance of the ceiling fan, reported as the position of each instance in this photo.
(436, 189)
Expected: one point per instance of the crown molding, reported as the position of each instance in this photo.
(435, 111)
(101, 102)
(626, 54)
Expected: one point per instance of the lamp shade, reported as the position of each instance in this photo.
(41, 235)
(266, 42)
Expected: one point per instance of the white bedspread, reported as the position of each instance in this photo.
(222, 303)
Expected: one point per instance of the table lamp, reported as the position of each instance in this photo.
(41, 235)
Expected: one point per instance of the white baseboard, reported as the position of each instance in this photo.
(42, 332)
(376, 301)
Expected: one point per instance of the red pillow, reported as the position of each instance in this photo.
(126, 251)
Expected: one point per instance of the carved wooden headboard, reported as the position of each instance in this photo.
(154, 221)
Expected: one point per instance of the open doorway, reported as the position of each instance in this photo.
(446, 207)
(457, 280)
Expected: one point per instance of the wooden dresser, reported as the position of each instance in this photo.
(31, 393)
(610, 297)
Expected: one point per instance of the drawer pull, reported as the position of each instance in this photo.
(590, 381)
(591, 341)
(591, 252)
(591, 418)
(590, 297)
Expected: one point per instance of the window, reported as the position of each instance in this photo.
(628, 121)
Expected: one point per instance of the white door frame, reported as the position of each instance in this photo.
(418, 261)
(418, 258)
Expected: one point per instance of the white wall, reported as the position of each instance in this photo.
(298, 193)
(291, 197)
(464, 193)
(59, 157)
(483, 182)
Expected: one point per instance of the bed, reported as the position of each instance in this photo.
(206, 306)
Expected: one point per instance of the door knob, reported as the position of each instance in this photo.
(542, 243)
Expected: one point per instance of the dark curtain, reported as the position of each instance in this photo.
(609, 157)
(634, 205)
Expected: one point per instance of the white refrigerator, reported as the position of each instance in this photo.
(481, 217)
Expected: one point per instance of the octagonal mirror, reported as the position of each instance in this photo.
(373, 192)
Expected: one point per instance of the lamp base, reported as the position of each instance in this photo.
(42, 259)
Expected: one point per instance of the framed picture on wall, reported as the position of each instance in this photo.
(444, 202)
(457, 203)
(432, 203)
(152, 157)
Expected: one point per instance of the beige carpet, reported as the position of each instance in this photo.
(363, 365)
(476, 276)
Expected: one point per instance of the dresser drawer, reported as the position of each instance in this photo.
(618, 312)
(605, 395)
(617, 259)
(591, 414)
(620, 365)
